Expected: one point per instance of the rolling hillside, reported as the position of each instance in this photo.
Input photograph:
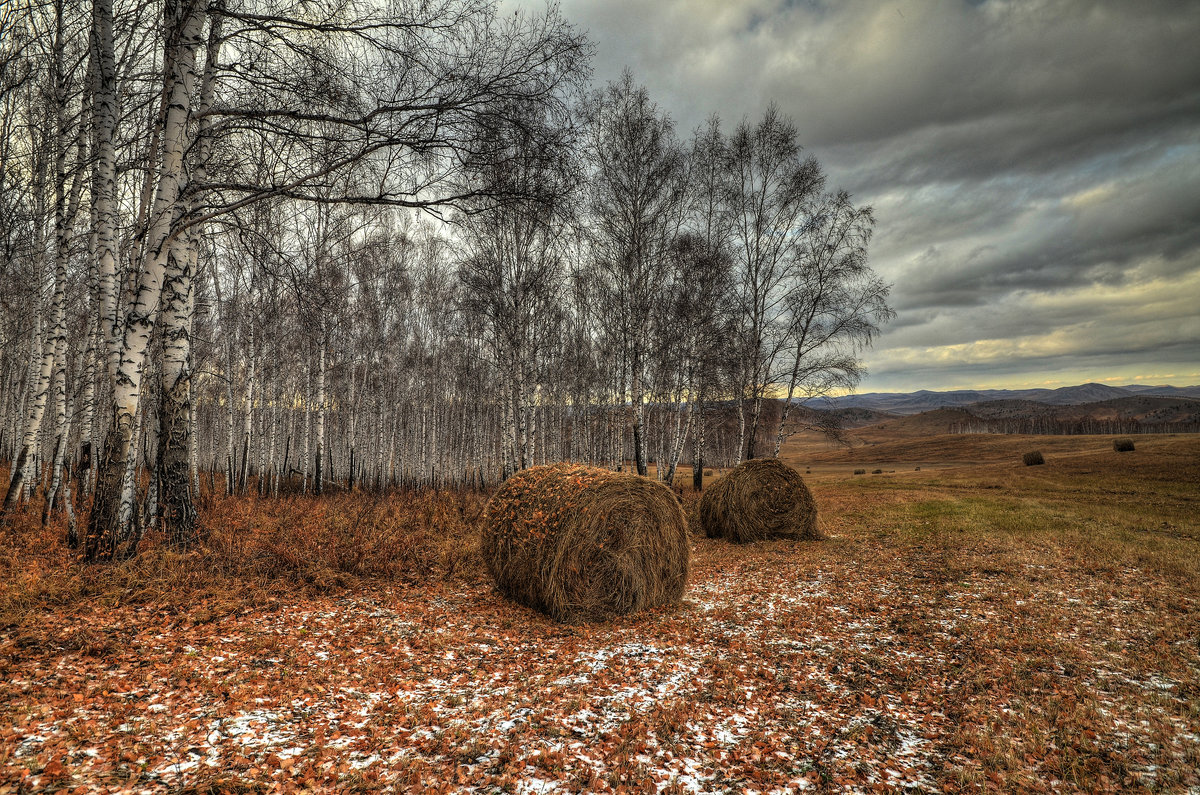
(925, 400)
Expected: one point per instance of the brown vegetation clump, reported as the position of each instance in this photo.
(760, 499)
(585, 544)
(1123, 445)
(253, 550)
(1034, 458)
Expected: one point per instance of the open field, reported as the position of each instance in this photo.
(973, 625)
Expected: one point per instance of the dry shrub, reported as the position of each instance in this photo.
(1123, 445)
(1034, 458)
(760, 499)
(414, 537)
(586, 544)
(254, 550)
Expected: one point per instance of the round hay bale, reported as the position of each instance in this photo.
(760, 499)
(1034, 458)
(585, 544)
(1123, 445)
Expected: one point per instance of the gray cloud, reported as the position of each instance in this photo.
(1035, 166)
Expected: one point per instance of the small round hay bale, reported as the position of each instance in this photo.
(1034, 458)
(760, 499)
(585, 544)
(1123, 445)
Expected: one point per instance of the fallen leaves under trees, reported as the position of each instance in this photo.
(959, 631)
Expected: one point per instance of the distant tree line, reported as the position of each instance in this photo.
(1053, 426)
(298, 246)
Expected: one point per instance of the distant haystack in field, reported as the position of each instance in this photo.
(1123, 445)
(1034, 458)
(586, 544)
(760, 499)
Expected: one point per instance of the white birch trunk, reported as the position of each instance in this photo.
(173, 455)
(247, 415)
(39, 388)
(305, 448)
(639, 416)
(318, 485)
(104, 179)
(87, 401)
(106, 529)
(175, 459)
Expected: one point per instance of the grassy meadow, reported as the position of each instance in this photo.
(969, 624)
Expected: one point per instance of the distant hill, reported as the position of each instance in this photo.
(927, 423)
(1006, 409)
(1130, 414)
(1169, 391)
(907, 403)
(1149, 409)
(857, 418)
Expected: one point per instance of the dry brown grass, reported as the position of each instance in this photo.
(585, 544)
(254, 550)
(876, 445)
(1023, 629)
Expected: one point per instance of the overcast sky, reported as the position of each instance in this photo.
(1034, 165)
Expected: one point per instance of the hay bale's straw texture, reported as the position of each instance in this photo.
(1034, 458)
(760, 499)
(585, 544)
(1123, 445)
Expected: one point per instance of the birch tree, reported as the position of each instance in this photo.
(215, 243)
(636, 204)
(512, 275)
(184, 25)
(391, 97)
(836, 306)
(57, 151)
(770, 194)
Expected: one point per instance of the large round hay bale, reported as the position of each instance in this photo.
(586, 544)
(760, 499)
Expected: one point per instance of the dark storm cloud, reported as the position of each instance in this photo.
(968, 249)
(1034, 165)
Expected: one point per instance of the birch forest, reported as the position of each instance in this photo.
(277, 247)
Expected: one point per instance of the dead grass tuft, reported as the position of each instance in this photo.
(253, 551)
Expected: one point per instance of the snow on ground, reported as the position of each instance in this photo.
(770, 678)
